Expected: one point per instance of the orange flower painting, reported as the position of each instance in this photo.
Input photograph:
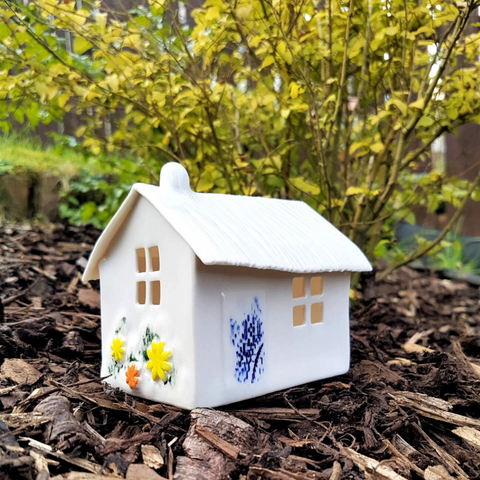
(132, 376)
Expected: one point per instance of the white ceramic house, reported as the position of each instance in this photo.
(209, 299)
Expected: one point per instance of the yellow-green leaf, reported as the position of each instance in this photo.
(63, 99)
(294, 89)
(399, 104)
(354, 191)
(284, 52)
(206, 182)
(244, 12)
(101, 19)
(77, 18)
(80, 131)
(213, 13)
(419, 103)
(392, 30)
(305, 186)
(112, 82)
(425, 121)
(452, 113)
(267, 61)
(376, 147)
(81, 45)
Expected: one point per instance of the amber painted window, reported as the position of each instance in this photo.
(306, 294)
(141, 260)
(149, 269)
(316, 313)
(141, 292)
(298, 315)
(155, 290)
(298, 287)
(154, 259)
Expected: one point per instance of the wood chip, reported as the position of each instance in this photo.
(279, 414)
(83, 476)
(448, 460)
(41, 465)
(336, 471)
(405, 459)
(227, 448)
(433, 408)
(7, 390)
(470, 435)
(281, 474)
(19, 371)
(400, 361)
(414, 348)
(64, 429)
(297, 443)
(152, 457)
(425, 400)
(137, 471)
(45, 274)
(88, 297)
(203, 458)
(404, 447)
(437, 472)
(25, 420)
(74, 282)
(381, 471)
(73, 247)
(78, 462)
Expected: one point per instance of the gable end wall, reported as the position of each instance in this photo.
(171, 320)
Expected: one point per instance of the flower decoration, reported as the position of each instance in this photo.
(158, 364)
(117, 350)
(132, 376)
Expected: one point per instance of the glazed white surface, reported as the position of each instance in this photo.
(172, 320)
(293, 355)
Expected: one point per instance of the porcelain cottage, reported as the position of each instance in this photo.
(209, 299)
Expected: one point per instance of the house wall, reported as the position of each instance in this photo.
(171, 321)
(291, 355)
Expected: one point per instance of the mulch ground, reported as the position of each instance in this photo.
(408, 408)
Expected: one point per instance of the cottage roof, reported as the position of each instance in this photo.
(256, 232)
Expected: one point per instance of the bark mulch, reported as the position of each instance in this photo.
(408, 408)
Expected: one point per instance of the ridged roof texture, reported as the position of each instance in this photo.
(255, 232)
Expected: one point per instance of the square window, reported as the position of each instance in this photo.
(316, 314)
(141, 260)
(141, 292)
(316, 286)
(155, 289)
(298, 315)
(154, 259)
(298, 287)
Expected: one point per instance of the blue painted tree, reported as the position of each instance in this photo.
(248, 340)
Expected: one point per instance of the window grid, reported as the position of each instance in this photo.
(307, 296)
(149, 287)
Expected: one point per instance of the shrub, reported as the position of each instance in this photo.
(334, 103)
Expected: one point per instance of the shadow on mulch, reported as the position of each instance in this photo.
(408, 408)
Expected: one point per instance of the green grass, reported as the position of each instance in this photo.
(93, 186)
(21, 154)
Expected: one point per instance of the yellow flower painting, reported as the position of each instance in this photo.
(117, 350)
(158, 364)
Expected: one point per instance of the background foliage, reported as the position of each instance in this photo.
(334, 102)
